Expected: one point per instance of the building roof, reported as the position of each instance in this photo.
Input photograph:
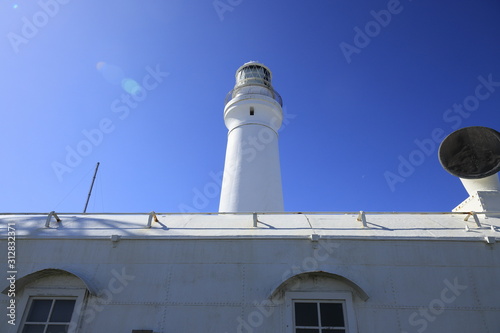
(369, 226)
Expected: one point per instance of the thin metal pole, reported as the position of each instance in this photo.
(91, 186)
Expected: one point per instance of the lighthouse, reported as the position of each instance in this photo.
(253, 116)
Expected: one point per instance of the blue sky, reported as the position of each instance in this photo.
(369, 89)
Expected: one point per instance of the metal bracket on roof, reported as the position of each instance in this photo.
(476, 219)
(490, 240)
(150, 219)
(314, 238)
(255, 220)
(362, 218)
(47, 222)
(115, 239)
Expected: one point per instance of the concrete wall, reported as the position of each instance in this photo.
(236, 285)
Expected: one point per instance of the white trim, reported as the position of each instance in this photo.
(50, 293)
(344, 297)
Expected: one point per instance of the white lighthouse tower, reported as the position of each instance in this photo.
(253, 115)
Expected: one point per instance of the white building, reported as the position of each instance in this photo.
(255, 272)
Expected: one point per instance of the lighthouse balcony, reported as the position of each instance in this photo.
(253, 90)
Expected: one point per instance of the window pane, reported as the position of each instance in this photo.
(57, 329)
(62, 311)
(332, 314)
(39, 310)
(33, 328)
(333, 331)
(306, 314)
(306, 330)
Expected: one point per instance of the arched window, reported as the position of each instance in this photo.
(50, 300)
(319, 302)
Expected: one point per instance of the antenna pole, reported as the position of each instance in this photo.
(91, 186)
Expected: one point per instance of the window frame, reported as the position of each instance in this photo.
(78, 294)
(320, 297)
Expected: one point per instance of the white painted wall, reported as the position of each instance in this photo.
(252, 173)
(224, 285)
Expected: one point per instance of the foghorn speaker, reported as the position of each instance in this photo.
(471, 152)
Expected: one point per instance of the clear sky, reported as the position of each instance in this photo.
(369, 89)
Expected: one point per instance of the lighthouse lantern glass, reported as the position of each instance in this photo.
(253, 75)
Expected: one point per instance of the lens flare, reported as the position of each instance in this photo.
(131, 86)
(111, 73)
(114, 74)
(100, 65)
